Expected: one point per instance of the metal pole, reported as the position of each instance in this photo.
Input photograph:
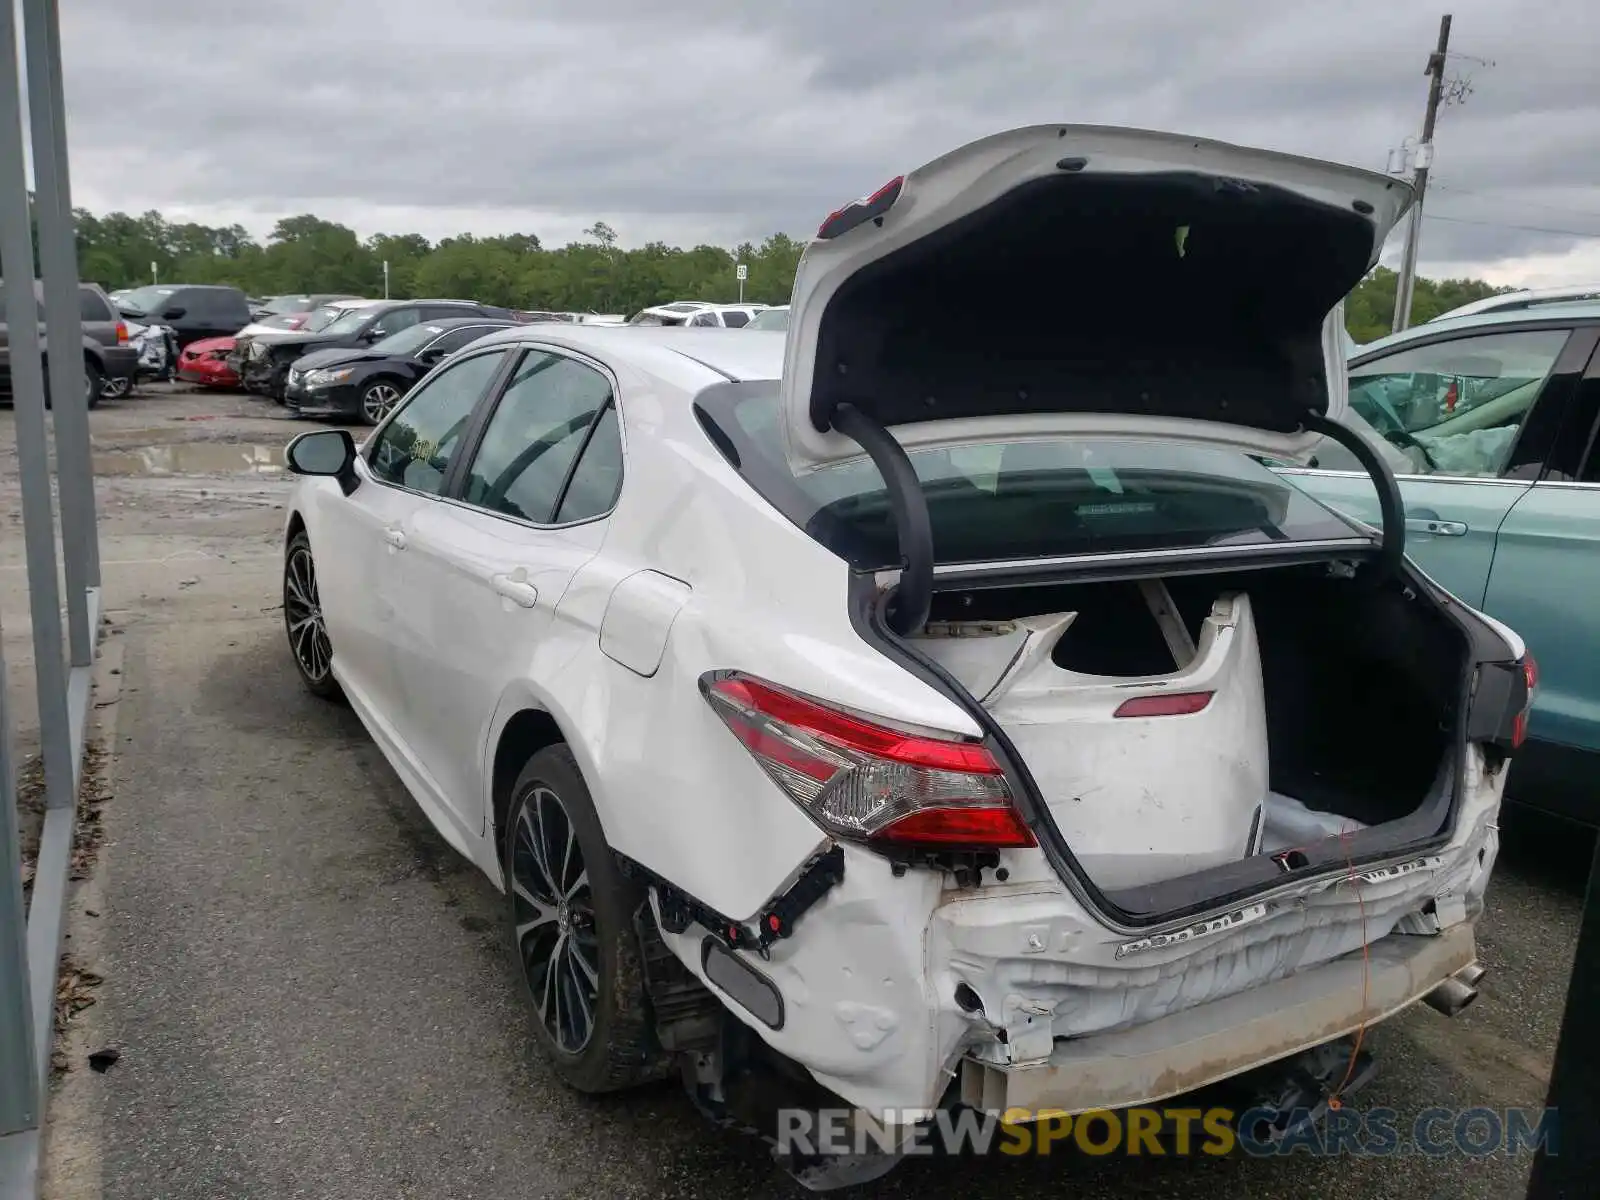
(1569, 1172)
(19, 1085)
(27, 389)
(58, 262)
(1408, 266)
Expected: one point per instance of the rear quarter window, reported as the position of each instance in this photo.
(999, 501)
(92, 307)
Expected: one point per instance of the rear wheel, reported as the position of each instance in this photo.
(378, 400)
(303, 622)
(569, 912)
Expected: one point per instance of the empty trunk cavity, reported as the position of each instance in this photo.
(1180, 724)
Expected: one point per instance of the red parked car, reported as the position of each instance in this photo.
(206, 361)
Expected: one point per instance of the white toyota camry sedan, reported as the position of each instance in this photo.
(915, 710)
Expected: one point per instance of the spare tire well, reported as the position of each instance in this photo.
(527, 733)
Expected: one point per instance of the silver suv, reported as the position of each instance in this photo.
(106, 351)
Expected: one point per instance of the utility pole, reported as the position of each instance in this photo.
(1408, 265)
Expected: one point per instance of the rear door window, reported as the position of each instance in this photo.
(538, 429)
(735, 320)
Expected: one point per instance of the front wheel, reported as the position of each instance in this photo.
(569, 912)
(378, 400)
(303, 621)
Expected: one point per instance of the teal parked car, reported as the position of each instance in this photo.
(1489, 423)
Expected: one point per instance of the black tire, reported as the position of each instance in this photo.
(550, 801)
(309, 646)
(93, 381)
(378, 398)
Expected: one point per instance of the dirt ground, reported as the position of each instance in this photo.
(306, 989)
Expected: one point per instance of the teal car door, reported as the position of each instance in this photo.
(1545, 584)
(1459, 415)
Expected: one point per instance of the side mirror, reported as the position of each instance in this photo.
(375, 334)
(326, 452)
(433, 354)
(173, 314)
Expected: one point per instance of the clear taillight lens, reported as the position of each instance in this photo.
(867, 781)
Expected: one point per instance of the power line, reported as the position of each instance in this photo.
(1517, 203)
(1582, 233)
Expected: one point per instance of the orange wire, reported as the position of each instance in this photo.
(1334, 1103)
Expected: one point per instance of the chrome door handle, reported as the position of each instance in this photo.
(395, 538)
(1442, 528)
(518, 591)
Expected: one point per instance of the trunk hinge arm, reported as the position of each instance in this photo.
(1390, 504)
(913, 599)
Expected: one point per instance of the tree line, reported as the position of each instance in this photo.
(309, 254)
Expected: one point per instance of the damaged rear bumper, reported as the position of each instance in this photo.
(1212, 1042)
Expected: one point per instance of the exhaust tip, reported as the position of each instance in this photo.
(1472, 974)
(1451, 997)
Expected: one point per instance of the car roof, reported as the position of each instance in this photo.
(687, 358)
(1581, 312)
(457, 322)
(1524, 298)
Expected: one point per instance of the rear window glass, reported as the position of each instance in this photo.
(999, 501)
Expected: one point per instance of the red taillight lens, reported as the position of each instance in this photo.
(858, 212)
(868, 781)
(1530, 679)
(122, 333)
(1178, 704)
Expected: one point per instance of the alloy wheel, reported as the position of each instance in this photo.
(553, 916)
(302, 610)
(377, 400)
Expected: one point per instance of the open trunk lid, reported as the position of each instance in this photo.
(1088, 281)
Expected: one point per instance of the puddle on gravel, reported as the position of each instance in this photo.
(191, 458)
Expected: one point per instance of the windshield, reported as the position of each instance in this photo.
(1014, 500)
(772, 318)
(147, 299)
(322, 317)
(351, 322)
(407, 342)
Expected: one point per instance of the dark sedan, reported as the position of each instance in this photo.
(262, 360)
(367, 383)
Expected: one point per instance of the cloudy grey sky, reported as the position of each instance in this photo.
(720, 120)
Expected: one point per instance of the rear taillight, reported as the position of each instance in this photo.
(122, 333)
(1530, 682)
(1502, 702)
(295, 322)
(868, 781)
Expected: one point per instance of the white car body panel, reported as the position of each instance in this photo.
(449, 623)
